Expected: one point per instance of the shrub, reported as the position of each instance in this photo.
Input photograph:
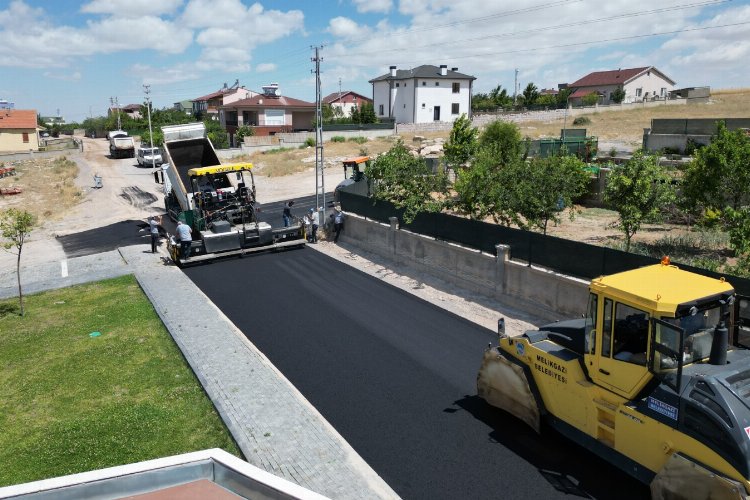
(338, 138)
(358, 139)
(692, 146)
(582, 120)
(309, 142)
(612, 152)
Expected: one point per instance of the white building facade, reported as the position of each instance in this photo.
(422, 94)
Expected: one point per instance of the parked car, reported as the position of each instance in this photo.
(149, 156)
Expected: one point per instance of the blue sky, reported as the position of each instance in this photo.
(73, 56)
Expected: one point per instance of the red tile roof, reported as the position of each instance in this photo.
(616, 77)
(581, 93)
(331, 98)
(213, 95)
(272, 102)
(18, 118)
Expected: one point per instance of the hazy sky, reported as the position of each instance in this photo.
(73, 56)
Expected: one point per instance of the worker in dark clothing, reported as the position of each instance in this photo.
(287, 214)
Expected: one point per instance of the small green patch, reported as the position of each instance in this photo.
(277, 151)
(358, 139)
(338, 138)
(72, 401)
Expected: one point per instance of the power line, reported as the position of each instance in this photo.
(543, 28)
(578, 44)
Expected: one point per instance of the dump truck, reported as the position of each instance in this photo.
(121, 145)
(218, 201)
(654, 379)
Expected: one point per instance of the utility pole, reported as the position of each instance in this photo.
(113, 103)
(340, 106)
(320, 189)
(147, 90)
(515, 88)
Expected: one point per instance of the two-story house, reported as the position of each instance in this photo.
(209, 104)
(18, 130)
(268, 113)
(346, 101)
(423, 94)
(640, 84)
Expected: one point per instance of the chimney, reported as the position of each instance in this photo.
(393, 71)
(454, 69)
(443, 69)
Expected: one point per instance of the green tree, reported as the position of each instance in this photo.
(500, 97)
(407, 182)
(590, 99)
(486, 189)
(244, 131)
(461, 144)
(547, 100)
(367, 113)
(505, 138)
(544, 186)
(158, 137)
(15, 225)
(638, 191)
(530, 94)
(618, 95)
(355, 115)
(562, 97)
(327, 111)
(216, 134)
(719, 174)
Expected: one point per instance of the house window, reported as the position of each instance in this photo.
(456, 87)
(275, 117)
(422, 105)
(454, 108)
(404, 84)
(380, 110)
(424, 84)
(638, 92)
(663, 91)
(25, 137)
(437, 84)
(397, 84)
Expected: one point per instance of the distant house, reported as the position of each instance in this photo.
(346, 101)
(209, 104)
(131, 110)
(422, 94)
(18, 130)
(184, 106)
(53, 120)
(268, 113)
(640, 84)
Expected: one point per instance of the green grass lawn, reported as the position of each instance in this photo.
(71, 402)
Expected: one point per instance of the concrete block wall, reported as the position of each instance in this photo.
(492, 276)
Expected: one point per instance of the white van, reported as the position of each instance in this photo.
(149, 156)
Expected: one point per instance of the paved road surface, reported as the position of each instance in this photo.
(396, 377)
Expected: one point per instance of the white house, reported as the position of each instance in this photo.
(346, 101)
(639, 84)
(422, 94)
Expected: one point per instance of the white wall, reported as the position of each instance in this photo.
(429, 95)
(380, 92)
(403, 101)
(652, 82)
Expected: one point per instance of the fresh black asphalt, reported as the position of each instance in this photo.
(132, 232)
(396, 377)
